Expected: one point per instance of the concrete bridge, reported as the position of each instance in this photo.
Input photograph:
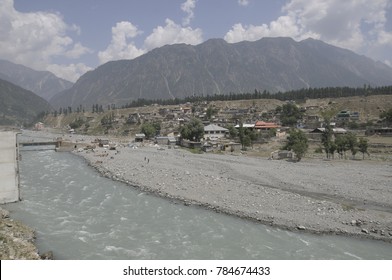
(9, 168)
(57, 144)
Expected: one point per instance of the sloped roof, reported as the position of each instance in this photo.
(246, 125)
(334, 130)
(214, 127)
(262, 124)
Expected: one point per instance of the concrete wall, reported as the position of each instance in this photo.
(9, 177)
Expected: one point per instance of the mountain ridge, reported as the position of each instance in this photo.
(43, 83)
(19, 106)
(218, 67)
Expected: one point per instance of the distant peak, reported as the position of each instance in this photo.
(215, 41)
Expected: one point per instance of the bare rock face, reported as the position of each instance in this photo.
(216, 67)
(16, 240)
(43, 83)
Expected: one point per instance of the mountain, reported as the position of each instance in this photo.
(42, 83)
(217, 67)
(18, 106)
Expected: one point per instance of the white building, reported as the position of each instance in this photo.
(214, 132)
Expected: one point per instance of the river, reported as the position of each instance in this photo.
(79, 214)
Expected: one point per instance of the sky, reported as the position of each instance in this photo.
(72, 37)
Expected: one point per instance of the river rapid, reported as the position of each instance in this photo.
(78, 214)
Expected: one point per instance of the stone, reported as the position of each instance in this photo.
(301, 227)
(4, 214)
(47, 255)
(364, 230)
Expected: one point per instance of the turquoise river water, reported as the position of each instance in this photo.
(79, 214)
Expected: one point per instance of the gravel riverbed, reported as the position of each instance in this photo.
(325, 197)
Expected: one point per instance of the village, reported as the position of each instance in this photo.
(264, 124)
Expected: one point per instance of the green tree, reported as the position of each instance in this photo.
(246, 136)
(363, 146)
(290, 114)
(352, 143)
(332, 148)
(232, 131)
(341, 145)
(210, 112)
(246, 141)
(76, 123)
(387, 116)
(297, 142)
(149, 130)
(194, 130)
(241, 135)
(326, 137)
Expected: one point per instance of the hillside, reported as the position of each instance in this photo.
(91, 123)
(19, 106)
(217, 67)
(43, 83)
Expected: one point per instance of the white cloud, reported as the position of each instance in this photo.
(388, 62)
(71, 71)
(119, 47)
(35, 39)
(173, 33)
(243, 2)
(358, 25)
(77, 51)
(188, 6)
(283, 26)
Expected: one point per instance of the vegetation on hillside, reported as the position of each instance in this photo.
(19, 106)
(296, 95)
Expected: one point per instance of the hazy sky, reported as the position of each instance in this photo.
(70, 37)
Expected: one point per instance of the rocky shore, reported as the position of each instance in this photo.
(16, 239)
(348, 197)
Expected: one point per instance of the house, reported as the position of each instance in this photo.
(232, 147)
(207, 147)
(172, 141)
(166, 140)
(282, 154)
(382, 131)
(39, 126)
(343, 116)
(334, 130)
(354, 116)
(162, 140)
(246, 125)
(214, 132)
(317, 133)
(261, 125)
(190, 144)
(139, 137)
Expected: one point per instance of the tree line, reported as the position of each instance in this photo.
(301, 94)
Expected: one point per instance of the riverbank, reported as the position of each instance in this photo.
(344, 197)
(348, 197)
(16, 239)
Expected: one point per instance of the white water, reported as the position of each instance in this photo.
(80, 215)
